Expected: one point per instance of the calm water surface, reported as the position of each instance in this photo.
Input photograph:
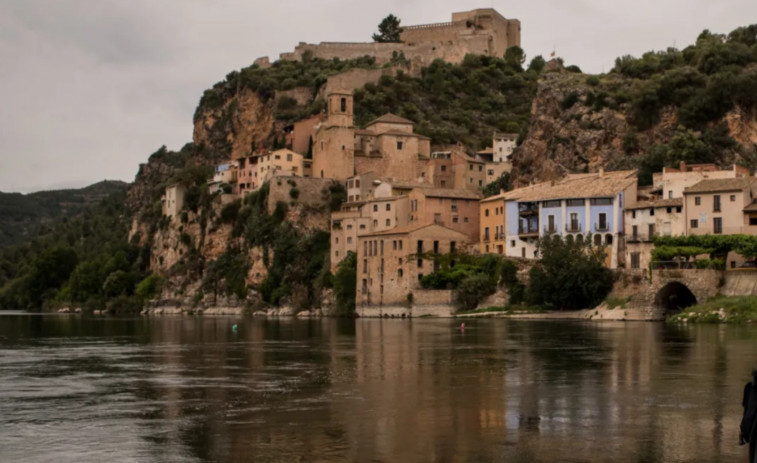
(191, 390)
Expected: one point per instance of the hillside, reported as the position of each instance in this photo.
(693, 105)
(270, 248)
(23, 216)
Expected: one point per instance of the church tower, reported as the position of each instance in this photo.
(334, 143)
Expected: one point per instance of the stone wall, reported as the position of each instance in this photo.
(310, 191)
(353, 79)
(426, 302)
(742, 282)
(703, 283)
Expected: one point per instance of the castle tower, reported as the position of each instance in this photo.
(334, 143)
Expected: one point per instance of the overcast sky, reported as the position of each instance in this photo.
(89, 88)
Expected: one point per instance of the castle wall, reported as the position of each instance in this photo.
(350, 80)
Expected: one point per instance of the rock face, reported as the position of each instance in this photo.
(570, 133)
(242, 125)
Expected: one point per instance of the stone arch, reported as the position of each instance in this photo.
(673, 297)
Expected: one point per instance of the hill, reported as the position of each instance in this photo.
(23, 216)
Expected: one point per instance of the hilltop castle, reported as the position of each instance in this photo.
(482, 31)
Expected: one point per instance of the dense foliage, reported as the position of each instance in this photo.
(345, 284)
(83, 260)
(22, 217)
(569, 275)
(667, 247)
(701, 83)
(455, 103)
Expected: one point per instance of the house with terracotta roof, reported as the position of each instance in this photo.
(721, 207)
(579, 206)
(455, 209)
(644, 221)
(390, 267)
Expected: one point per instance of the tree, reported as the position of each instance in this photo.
(502, 183)
(570, 274)
(515, 57)
(537, 64)
(388, 30)
(345, 284)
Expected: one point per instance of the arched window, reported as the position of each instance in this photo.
(343, 104)
(597, 239)
(580, 238)
(608, 239)
(569, 239)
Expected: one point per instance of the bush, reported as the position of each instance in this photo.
(230, 212)
(294, 193)
(473, 290)
(570, 275)
(149, 288)
(569, 100)
(345, 284)
(592, 81)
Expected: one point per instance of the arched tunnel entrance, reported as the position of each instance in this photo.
(674, 297)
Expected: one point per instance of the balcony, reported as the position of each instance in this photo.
(548, 229)
(602, 227)
(639, 238)
(528, 230)
(527, 210)
(573, 228)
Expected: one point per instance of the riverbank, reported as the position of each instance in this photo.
(605, 311)
(721, 309)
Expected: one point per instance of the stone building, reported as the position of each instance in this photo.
(720, 207)
(301, 134)
(223, 174)
(389, 265)
(576, 207)
(454, 209)
(455, 169)
(644, 221)
(481, 31)
(492, 228)
(173, 200)
(671, 182)
(334, 143)
(254, 171)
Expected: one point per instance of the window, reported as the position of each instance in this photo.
(608, 239)
(486, 233)
(375, 223)
(678, 209)
(651, 211)
(399, 145)
(444, 184)
(399, 273)
(512, 243)
(375, 208)
(336, 253)
(486, 212)
(602, 201)
(694, 223)
(455, 219)
(487, 248)
(489, 171)
(752, 220)
(388, 222)
(365, 268)
(470, 166)
(465, 219)
(602, 225)
(400, 244)
(551, 203)
(633, 214)
(349, 240)
(289, 157)
(574, 222)
(717, 224)
(444, 168)
(480, 183)
(733, 198)
(651, 230)
(277, 156)
(669, 210)
(575, 202)
(716, 203)
(551, 223)
(670, 196)
(343, 104)
(697, 200)
(480, 168)
(635, 260)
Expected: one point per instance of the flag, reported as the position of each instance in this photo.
(552, 55)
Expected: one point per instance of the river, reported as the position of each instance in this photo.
(78, 389)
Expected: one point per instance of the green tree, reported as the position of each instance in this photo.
(149, 288)
(515, 57)
(345, 284)
(388, 30)
(51, 270)
(537, 64)
(569, 275)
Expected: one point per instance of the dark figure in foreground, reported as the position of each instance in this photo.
(748, 429)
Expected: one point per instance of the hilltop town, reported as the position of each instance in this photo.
(354, 177)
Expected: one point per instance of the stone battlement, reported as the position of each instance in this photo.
(428, 26)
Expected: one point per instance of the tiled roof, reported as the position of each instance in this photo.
(449, 193)
(409, 229)
(576, 186)
(399, 133)
(720, 184)
(673, 202)
(751, 208)
(389, 118)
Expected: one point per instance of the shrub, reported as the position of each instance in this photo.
(592, 81)
(345, 281)
(230, 212)
(149, 288)
(473, 290)
(294, 193)
(569, 100)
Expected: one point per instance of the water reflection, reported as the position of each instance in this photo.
(191, 389)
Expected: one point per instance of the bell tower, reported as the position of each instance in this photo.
(334, 143)
(339, 111)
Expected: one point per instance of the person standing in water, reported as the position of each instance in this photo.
(748, 430)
